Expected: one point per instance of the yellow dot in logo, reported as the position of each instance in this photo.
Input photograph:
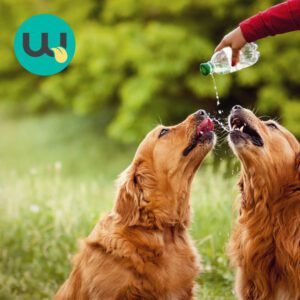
(60, 54)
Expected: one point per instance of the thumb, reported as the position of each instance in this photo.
(235, 56)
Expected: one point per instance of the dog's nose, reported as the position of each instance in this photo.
(201, 113)
(236, 107)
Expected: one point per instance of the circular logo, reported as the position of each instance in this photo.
(44, 44)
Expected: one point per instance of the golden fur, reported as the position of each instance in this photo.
(265, 243)
(142, 249)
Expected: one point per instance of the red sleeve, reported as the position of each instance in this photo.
(277, 19)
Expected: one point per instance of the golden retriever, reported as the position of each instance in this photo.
(265, 243)
(142, 249)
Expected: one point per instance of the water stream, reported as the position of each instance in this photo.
(216, 89)
(218, 121)
(221, 124)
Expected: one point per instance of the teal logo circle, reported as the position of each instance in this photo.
(44, 44)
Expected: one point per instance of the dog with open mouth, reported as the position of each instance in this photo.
(142, 249)
(264, 246)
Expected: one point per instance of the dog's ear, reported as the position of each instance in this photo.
(128, 197)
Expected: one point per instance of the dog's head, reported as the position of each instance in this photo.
(155, 188)
(265, 148)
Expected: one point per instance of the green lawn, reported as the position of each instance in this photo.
(57, 177)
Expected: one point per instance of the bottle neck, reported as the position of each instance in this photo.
(207, 68)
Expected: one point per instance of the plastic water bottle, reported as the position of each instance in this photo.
(220, 62)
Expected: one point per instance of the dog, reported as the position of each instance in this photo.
(264, 246)
(142, 249)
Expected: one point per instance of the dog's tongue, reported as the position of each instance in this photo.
(205, 126)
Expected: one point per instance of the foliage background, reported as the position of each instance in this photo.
(140, 59)
(64, 138)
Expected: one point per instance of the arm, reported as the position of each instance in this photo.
(280, 18)
(277, 19)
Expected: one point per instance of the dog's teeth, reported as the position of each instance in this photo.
(242, 128)
(233, 126)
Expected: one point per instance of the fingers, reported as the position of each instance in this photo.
(235, 51)
(235, 56)
(236, 41)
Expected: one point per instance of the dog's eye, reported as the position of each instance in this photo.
(163, 132)
(272, 125)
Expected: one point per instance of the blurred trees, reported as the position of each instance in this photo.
(140, 58)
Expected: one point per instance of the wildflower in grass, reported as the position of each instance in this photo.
(57, 166)
(207, 268)
(33, 171)
(220, 260)
(34, 208)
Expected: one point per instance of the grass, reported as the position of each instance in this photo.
(56, 178)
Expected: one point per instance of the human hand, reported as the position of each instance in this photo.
(236, 41)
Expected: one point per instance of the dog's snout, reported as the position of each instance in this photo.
(201, 113)
(236, 107)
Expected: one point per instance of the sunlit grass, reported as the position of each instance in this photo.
(57, 177)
